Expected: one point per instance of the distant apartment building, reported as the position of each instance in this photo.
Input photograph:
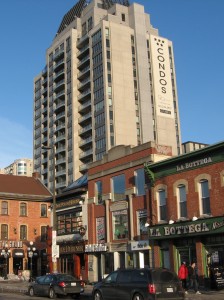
(109, 80)
(22, 167)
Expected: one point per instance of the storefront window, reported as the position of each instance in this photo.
(142, 218)
(120, 224)
(130, 260)
(108, 263)
(118, 187)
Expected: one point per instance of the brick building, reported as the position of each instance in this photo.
(117, 209)
(24, 219)
(186, 201)
(71, 226)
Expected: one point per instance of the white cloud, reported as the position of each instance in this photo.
(16, 142)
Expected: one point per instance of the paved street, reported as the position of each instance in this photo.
(18, 290)
(204, 296)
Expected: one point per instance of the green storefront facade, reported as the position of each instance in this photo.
(198, 236)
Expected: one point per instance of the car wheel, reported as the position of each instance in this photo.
(51, 294)
(97, 296)
(137, 297)
(31, 291)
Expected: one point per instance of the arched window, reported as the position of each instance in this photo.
(23, 209)
(182, 199)
(162, 205)
(205, 197)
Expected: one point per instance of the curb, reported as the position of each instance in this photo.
(12, 288)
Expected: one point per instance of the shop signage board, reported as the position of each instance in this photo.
(188, 228)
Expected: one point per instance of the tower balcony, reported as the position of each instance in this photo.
(85, 129)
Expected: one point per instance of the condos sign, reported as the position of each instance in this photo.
(162, 76)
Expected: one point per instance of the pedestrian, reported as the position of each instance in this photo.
(193, 277)
(183, 275)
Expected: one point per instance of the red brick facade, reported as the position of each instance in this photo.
(198, 236)
(24, 218)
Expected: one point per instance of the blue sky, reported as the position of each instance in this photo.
(195, 27)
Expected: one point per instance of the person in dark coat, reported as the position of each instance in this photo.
(193, 277)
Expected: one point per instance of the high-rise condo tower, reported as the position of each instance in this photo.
(109, 80)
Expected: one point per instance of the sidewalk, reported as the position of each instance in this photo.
(14, 286)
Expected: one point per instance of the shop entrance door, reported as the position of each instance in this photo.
(17, 265)
(186, 254)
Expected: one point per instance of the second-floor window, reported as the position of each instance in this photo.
(69, 222)
(23, 232)
(43, 210)
(162, 205)
(98, 188)
(100, 230)
(140, 181)
(205, 197)
(23, 209)
(4, 208)
(182, 201)
(118, 187)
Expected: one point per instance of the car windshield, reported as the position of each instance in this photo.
(112, 277)
(163, 276)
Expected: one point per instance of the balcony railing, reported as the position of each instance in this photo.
(86, 153)
(85, 129)
(85, 117)
(85, 105)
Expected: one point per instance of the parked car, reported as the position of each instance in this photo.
(52, 285)
(139, 284)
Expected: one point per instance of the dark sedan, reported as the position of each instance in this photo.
(52, 285)
(139, 284)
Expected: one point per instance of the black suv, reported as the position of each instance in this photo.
(139, 284)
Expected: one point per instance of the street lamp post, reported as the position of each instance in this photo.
(31, 251)
(6, 252)
(54, 227)
(151, 241)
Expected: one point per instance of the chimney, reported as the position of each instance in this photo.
(36, 175)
